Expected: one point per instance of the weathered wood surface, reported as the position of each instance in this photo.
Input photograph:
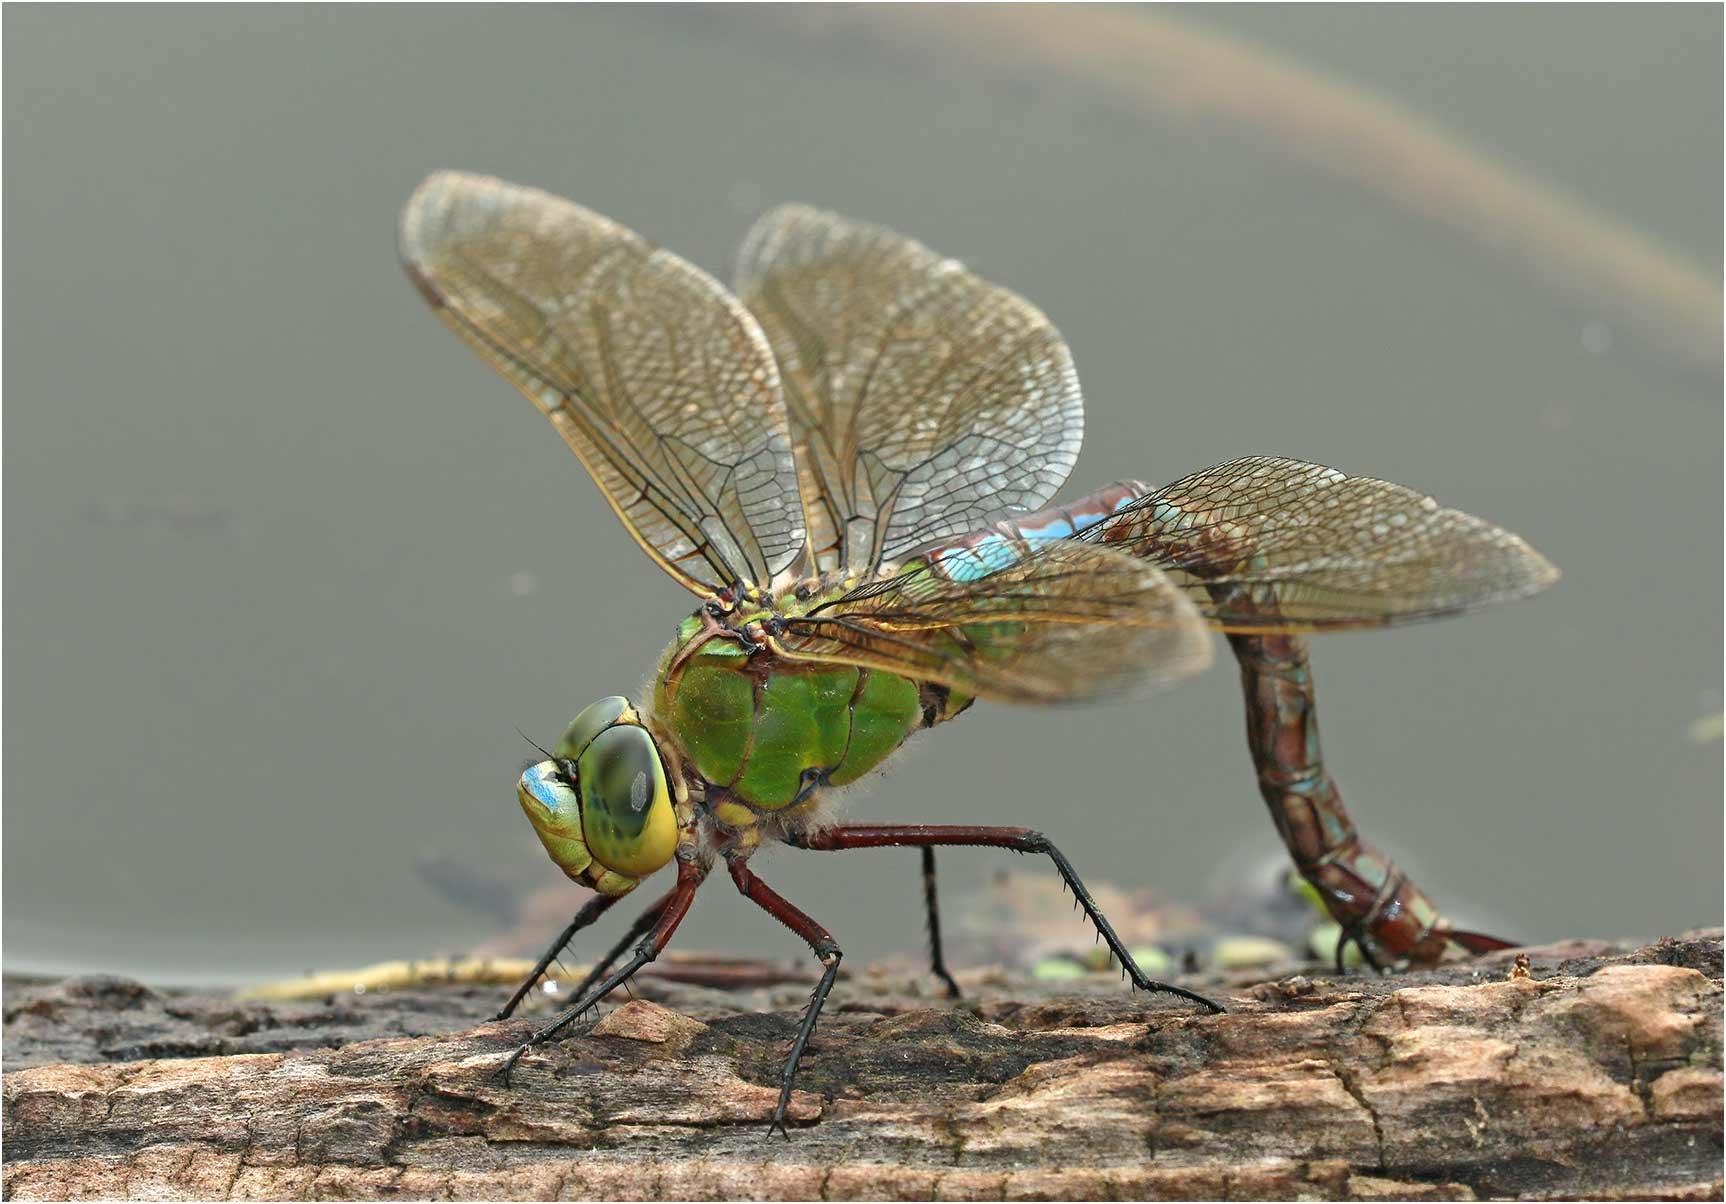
(1597, 1075)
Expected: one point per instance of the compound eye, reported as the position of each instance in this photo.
(585, 726)
(626, 811)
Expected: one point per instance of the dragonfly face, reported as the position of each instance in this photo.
(600, 805)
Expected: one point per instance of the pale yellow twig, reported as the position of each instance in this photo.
(385, 976)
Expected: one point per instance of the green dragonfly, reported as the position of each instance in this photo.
(848, 464)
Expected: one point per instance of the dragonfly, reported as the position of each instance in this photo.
(849, 462)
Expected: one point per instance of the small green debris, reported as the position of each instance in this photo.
(1306, 890)
(1239, 952)
(1153, 960)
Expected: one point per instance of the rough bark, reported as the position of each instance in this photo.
(1597, 1074)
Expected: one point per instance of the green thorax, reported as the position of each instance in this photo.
(768, 732)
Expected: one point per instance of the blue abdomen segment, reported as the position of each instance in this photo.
(975, 556)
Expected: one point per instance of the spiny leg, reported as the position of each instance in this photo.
(1385, 905)
(827, 951)
(1343, 938)
(1023, 840)
(932, 912)
(1355, 932)
(590, 912)
(641, 924)
(689, 876)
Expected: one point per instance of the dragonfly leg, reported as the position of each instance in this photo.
(1022, 840)
(1397, 896)
(689, 876)
(1353, 932)
(637, 929)
(589, 913)
(827, 951)
(932, 912)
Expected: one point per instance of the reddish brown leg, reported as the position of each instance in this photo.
(827, 951)
(689, 876)
(1021, 840)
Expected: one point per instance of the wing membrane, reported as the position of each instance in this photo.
(924, 402)
(1063, 622)
(1268, 544)
(655, 376)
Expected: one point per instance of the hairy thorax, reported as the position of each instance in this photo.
(760, 735)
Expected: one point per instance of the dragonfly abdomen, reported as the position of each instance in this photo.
(1373, 900)
(1360, 885)
(1356, 880)
(980, 553)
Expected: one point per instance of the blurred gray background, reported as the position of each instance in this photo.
(286, 566)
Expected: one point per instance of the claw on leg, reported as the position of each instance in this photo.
(590, 912)
(826, 949)
(932, 915)
(1020, 840)
(670, 912)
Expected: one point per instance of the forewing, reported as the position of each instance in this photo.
(657, 378)
(924, 402)
(1063, 622)
(1264, 544)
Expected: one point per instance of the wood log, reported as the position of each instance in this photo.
(1592, 1070)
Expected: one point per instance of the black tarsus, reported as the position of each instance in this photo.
(1352, 932)
(590, 911)
(671, 911)
(644, 953)
(827, 952)
(932, 914)
(1116, 946)
(641, 924)
(1022, 840)
(817, 999)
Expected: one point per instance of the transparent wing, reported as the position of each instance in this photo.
(656, 377)
(1061, 622)
(924, 402)
(1265, 544)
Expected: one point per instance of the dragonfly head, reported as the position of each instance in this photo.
(600, 804)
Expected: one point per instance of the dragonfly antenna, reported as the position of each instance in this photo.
(535, 743)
